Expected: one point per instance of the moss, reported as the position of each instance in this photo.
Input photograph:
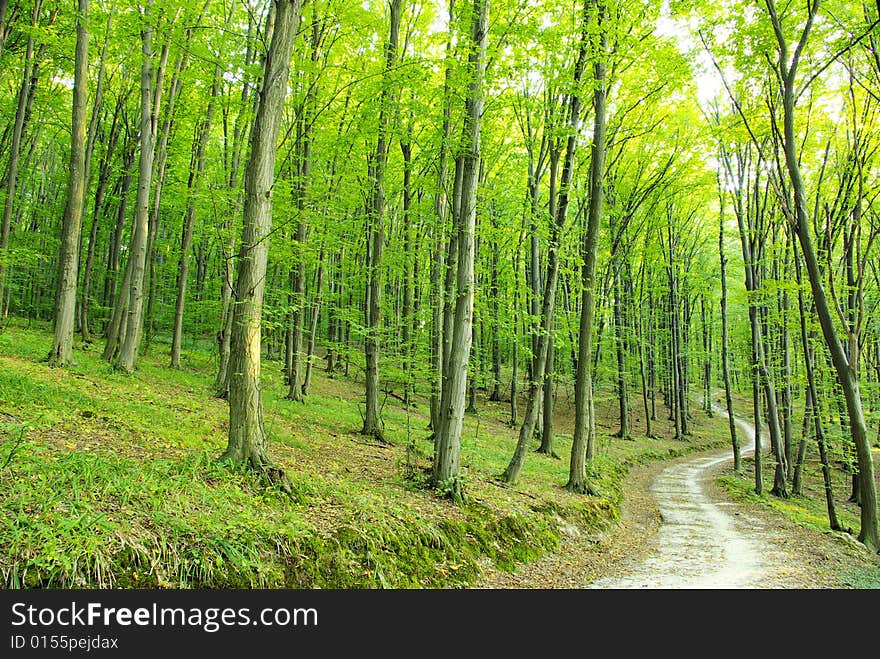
(116, 484)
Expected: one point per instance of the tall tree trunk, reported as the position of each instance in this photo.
(448, 445)
(642, 348)
(676, 392)
(68, 258)
(514, 353)
(495, 322)
(846, 371)
(797, 479)
(376, 236)
(441, 210)
(546, 446)
(408, 265)
(4, 29)
(707, 357)
(583, 444)
(232, 160)
(313, 328)
(786, 374)
(247, 439)
(725, 340)
(548, 305)
(93, 129)
(128, 353)
(196, 168)
(295, 374)
(25, 97)
(111, 275)
(620, 334)
(813, 406)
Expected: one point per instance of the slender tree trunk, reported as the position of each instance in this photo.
(111, 277)
(756, 406)
(128, 353)
(68, 258)
(197, 167)
(546, 446)
(441, 210)
(798, 472)
(4, 30)
(725, 341)
(641, 344)
(103, 179)
(448, 445)
(97, 108)
(227, 242)
(620, 335)
(583, 444)
(25, 97)
(409, 260)
(247, 439)
(786, 397)
(161, 162)
(813, 406)
(707, 358)
(676, 393)
(548, 305)
(296, 377)
(495, 322)
(313, 329)
(376, 236)
(846, 371)
(514, 357)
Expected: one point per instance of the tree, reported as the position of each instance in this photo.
(448, 446)
(376, 235)
(247, 439)
(68, 259)
(548, 305)
(133, 287)
(787, 68)
(582, 449)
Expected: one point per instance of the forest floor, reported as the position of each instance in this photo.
(112, 480)
(681, 529)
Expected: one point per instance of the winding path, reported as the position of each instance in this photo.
(702, 542)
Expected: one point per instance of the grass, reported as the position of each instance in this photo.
(809, 509)
(111, 480)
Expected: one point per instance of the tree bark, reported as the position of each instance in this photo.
(546, 446)
(128, 353)
(247, 439)
(313, 328)
(68, 258)
(548, 305)
(583, 444)
(846, 371)
(196, 168)
(813, 406)
(620, 334)
(25, 97)
(725, 339)
(446, 474)
(376, 237)
(97, 108)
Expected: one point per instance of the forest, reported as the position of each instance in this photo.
(300, 293)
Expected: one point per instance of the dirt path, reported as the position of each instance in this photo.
(678, 530)
(702, 542)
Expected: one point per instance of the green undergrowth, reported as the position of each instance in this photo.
(809, 510)
(108, 480)
(79, 520)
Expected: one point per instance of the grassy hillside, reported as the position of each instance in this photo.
(112, 480)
